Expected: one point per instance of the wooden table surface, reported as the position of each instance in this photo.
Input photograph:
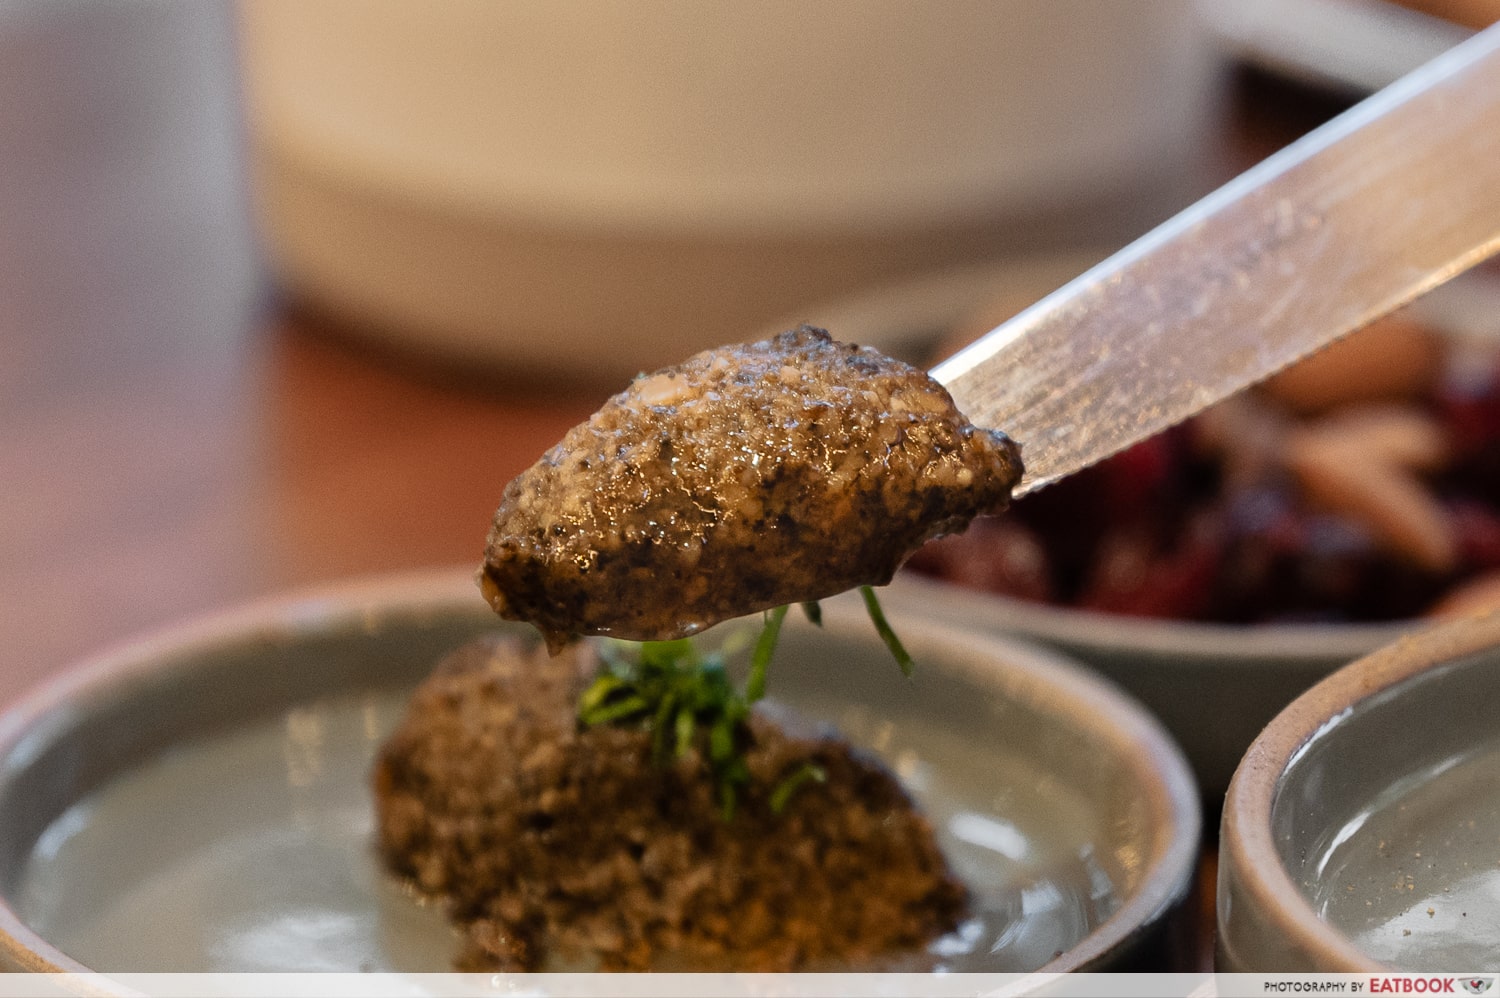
(158, 459)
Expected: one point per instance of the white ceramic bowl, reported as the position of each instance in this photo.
(615, 186)
(198, 801)
(1359, 830)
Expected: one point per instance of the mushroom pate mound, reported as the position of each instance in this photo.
(745, 478)
(555, 845)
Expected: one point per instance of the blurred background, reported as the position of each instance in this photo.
(289, 290)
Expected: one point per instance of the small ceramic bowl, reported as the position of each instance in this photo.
(1359, 832)
(1214, 686)
(199, 801)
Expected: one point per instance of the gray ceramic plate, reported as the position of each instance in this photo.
(1362, 830)
(198, 801)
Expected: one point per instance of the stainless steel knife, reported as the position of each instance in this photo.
(1380, 205)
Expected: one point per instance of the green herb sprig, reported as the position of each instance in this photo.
(883, 628)
(683, 696)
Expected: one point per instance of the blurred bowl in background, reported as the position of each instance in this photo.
(1359, 831)
(1213, 686)
(604, 188)
(915, 319)
(1220, 569)
(1161, 561)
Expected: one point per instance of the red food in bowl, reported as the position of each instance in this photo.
(1268, 509)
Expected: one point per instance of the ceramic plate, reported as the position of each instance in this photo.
(1360, 831)
(199, 801)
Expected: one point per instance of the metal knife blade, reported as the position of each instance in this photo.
(1380, 205)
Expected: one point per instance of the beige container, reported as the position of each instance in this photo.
(543, 186)
(603, 188)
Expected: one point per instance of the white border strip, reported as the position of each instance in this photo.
(1146, 985)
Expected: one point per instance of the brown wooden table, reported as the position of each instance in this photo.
(157, 460)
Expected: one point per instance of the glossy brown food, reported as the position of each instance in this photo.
(560, 847)
(745, 478)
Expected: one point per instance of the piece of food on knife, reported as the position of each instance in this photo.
(747, 477)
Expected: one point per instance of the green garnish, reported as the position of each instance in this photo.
(883, 628)
(685, 699)
(782, 795)
(765, 647)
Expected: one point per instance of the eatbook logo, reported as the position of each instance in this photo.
(1477, 985)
